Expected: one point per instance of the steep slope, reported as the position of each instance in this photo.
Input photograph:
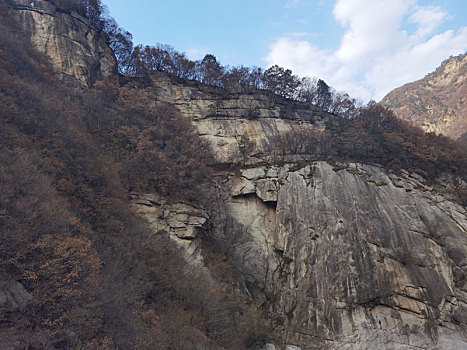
(351, 257)
(438, 102)
(284, 238)
(54, 31)
(342, 255)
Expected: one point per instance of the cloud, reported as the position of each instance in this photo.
(428, 19)
(375, 53)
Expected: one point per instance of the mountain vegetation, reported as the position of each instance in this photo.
(436, 103)
(71, 157)
(68, 161)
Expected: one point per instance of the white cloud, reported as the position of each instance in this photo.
(375, 54)
(428, 19)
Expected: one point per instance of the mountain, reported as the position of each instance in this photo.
(436, 103)
(157, 212)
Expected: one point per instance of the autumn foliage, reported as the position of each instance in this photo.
(97, 276)
(69, 161)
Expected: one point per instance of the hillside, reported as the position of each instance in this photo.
(436, 103)
(155, 211)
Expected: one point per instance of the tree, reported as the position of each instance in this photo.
(343, 105)
(95, 13)
(324, 95)
(281, 81)
(235, 77)
(308, 91)
(120, 41)
(181, 66)
(211, 70)
(163, 57)
(256, 78)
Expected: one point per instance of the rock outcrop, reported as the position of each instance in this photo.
(180, 221)
(346, 256)
(239, 126)
(352, 256)
(13, 297)
(75, 48)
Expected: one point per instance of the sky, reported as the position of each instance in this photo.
(363, 47)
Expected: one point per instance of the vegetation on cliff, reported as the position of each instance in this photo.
(69, 160)
(436, 103)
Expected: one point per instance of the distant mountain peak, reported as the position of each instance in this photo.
(438, 102)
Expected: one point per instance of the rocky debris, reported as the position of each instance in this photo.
(352, 254)
(241, 187)
(269, 347)
(180, 220)
(75, 48)
(267, 189)
(254, 173)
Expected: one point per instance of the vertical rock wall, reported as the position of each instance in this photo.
(353, 258)
(72, 44)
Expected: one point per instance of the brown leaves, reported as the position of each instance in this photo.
(63, 274)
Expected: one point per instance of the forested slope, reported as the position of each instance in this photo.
(80, 268)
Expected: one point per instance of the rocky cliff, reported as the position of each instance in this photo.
(351, 256)
(239, 126)
(347, 255)
(75, 48)
(437, 103)
(338, 255)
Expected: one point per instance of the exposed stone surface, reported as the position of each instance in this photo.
(354, 258)
(236, 121)
(181, 221)
(344, 257)
(73, 45)
(242, 186)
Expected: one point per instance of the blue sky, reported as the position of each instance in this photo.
(365, 47)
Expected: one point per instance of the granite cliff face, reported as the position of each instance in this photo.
(239, 126)
(75, 48)
(351, 256)
(437, 103)
(343, 256)
(340, 256)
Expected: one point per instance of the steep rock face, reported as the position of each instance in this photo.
(437, 103)
(73, 45)
(348, 256)
(239, 126)
(351, 257)
(180, 221)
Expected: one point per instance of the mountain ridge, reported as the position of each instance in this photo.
(437, 103)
